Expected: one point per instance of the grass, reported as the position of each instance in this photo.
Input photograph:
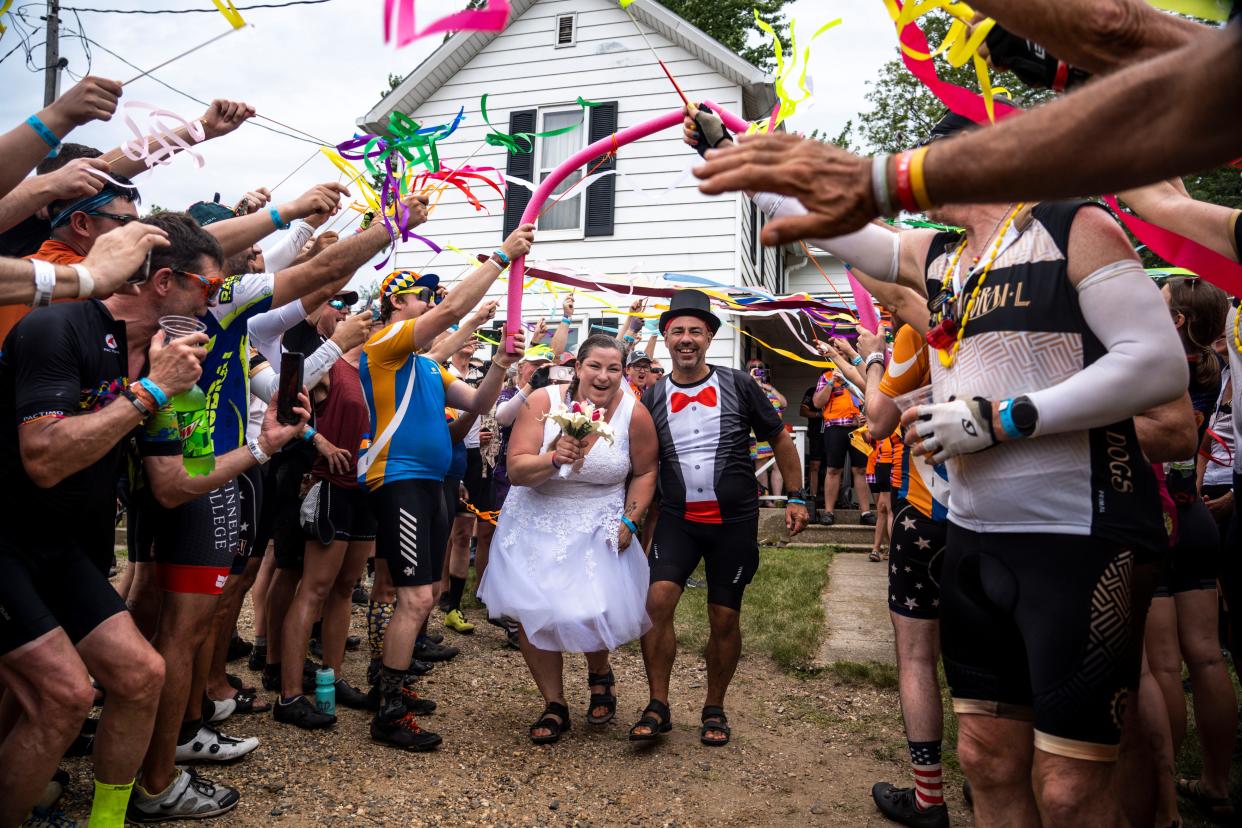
(782, 616)
(872, 673)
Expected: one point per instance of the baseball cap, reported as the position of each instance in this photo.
(636, 357)
(209, 212)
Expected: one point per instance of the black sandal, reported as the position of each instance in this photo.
(606, 699)
(1219, 810)
(719, 723)
(657, 725)
(555, 718)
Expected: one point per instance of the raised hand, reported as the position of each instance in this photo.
(321, 199)
(74, 180)
(519, 241)
(253, 201)
(503, 358)
(222, 117)
(90, 99)
(417, 205)
(352, 331)
(117, 254)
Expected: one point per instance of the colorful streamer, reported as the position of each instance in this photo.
(786, 104)
(513, 143)
(230, 13)
(163, 143)
(493, 17)
(1207, 9)
(4, 7)
(1223, 272)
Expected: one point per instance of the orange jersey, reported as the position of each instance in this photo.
(51, 251)
(841, 405)
(925, 486)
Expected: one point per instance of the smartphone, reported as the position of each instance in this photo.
(290, 386)
(561, 373)
(142, 276)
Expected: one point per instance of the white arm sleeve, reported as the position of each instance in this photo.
(873, 250)
(266, 329)
(265, 381)
(281, 254)
(1144, 367)
(507, 411)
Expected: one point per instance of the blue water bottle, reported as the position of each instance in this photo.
(325, 691)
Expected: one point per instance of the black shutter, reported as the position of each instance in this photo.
(601, 197)
(521, 164)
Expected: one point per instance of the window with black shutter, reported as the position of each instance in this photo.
(601, 197)
(754, 232)
(521, 165)
(565, 30)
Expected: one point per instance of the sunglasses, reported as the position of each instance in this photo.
(338, 304)
(210, 284)
(422, 294)
(657, 370)
(117, 217)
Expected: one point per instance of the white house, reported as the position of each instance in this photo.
(552, 52)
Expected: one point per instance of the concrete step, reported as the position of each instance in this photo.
(772, 531)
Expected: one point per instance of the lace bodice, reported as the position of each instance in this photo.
(605, 464)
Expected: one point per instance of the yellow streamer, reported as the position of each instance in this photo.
(1207, 9)
(230, 13)
(4, 7)
(788, 355)
(788, 104)
(356, 177)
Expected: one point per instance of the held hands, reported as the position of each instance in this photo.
(273, 434)
(503, 358)
(222, 117)
(951, 429)
(91, 99)
(338, 458)
(833, 185)
(352, 331)
(117, 255)
(519, 241)
(175, 367)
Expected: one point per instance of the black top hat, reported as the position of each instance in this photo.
(690, 303)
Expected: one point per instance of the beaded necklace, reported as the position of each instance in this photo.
(947, 357)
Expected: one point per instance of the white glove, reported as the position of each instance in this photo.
(955, 427)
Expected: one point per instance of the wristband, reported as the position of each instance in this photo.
(905, 195)
(504, 259)
(309, 434)
(795, 500)
(856, 361)
(86, 282)
(276, 220)
(44, 282)
(875, 359)
(879, 185)
(259, 455)
(46, 134)
(1006, 419)
(136, 403)
(565, 320)
(629, 524)
(161, 399)
(555, 465)
(917, 182)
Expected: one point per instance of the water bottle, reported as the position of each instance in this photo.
(325, 691)
(198, 453)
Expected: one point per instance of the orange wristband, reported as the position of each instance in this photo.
(917, 183)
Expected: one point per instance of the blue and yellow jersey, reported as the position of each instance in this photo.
(405, 396)
(226, 370)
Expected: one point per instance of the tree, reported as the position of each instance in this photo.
(732, 22)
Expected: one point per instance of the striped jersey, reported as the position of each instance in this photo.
(405, 396)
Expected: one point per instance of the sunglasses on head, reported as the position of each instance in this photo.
(210, 284)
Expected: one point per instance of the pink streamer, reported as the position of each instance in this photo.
(492, 18)
(866, 307)
(1221, 271)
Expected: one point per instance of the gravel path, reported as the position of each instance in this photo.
(804, 751)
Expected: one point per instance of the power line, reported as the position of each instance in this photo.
(212, 10)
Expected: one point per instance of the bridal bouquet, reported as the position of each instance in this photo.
(578, 421)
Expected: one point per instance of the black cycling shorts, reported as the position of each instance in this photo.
(452, 498)
(412, 530)
(729, 551)
(196, 542)
(250, 502)
(347, 512)
(139, 531)
(287, 534)
(1194, 561)
(55, 588)
(837, 445)
(1045, 628)
(814, 441)
(915, 561)
(266, 521)
(478, 481)
(883, 479)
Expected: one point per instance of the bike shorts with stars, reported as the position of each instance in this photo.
(1046, 629)
(915, 557)
(412, 530)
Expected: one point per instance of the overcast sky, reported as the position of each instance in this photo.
(318, 68)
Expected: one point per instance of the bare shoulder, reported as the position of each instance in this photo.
(1096, 240)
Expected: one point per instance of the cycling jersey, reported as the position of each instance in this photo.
(841, 409)
(923, 485)
(405, 396)
(226, 370)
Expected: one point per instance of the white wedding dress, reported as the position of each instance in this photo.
(554, 565)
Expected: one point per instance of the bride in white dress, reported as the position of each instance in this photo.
(564, 563)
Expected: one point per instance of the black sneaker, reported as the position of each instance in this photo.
(419, 668)
(239, 648)
(353, 642)
(271, 677)
(302, 713)
(512, 637)
(435, 638)
(404, 733)
(826, 518)
(414, 703)
(898, 805)
(362, 596)
(258, 657)
(351, 697)
(867, 518)
(431, 651)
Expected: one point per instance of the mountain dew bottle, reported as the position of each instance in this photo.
(198, 453)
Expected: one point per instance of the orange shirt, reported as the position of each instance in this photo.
(51, 251)
(909, 370)
(841, 405)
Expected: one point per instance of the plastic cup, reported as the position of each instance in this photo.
(919, 396)
(176, 327)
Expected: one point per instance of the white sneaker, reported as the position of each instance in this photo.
(189, 797)
(210, 745)
(221, 710)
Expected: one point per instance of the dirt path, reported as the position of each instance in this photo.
(805, 751)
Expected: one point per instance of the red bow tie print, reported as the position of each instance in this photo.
(705, 397)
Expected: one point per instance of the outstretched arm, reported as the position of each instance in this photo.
(1171, 207)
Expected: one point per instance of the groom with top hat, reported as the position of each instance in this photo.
(709, 507)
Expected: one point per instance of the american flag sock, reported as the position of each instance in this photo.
(925, 757)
